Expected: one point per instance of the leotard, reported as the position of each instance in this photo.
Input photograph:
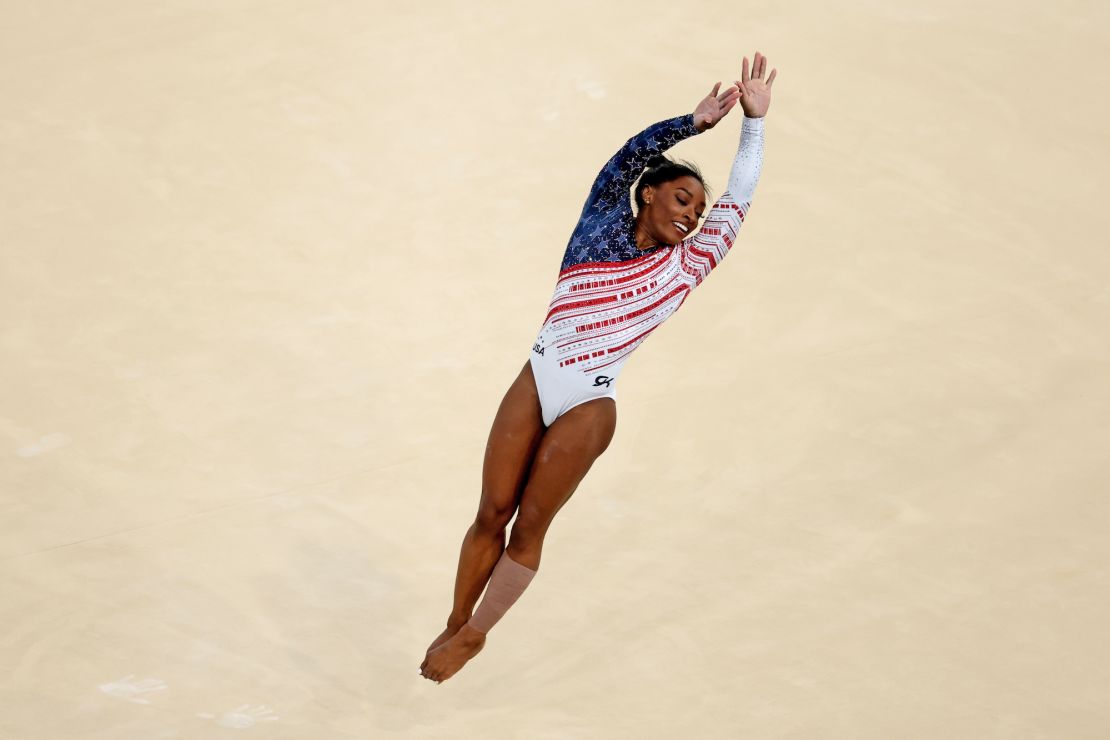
(610, 294)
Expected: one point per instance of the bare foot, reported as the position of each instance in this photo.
(444, 636)
(448, 658)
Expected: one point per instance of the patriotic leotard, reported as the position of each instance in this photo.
(611, 294)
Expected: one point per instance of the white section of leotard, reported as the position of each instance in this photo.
(748, 163)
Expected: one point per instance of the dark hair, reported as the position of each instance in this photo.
(659, 170)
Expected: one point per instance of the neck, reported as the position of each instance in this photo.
(643, 241)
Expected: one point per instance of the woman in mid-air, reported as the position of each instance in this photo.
(622, 276)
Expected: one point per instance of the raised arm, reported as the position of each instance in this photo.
(703, 251)
(622, 169)
(611, 186)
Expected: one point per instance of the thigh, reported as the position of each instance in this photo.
(566, 453)
(513, 440)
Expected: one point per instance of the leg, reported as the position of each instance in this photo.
(513, 439)
(565, 455)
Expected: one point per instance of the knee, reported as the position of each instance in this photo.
(530, 526)
(493, 517)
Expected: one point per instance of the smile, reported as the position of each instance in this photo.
(680, 227)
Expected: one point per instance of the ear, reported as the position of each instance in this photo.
(647, 194)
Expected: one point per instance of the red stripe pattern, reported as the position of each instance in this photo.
(602, 311)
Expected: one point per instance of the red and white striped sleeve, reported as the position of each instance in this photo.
(704, 250)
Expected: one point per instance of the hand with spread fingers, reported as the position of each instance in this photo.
(755, 92)
(715, 106)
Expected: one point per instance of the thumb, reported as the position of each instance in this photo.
(716, 87)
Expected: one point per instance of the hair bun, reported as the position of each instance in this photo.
(656, 160)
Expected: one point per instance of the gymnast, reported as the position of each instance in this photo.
(622, 275)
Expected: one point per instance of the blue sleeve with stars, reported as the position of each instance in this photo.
(606, 228)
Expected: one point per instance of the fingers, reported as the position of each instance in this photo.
(759, 68)
(727, 105)
(716, 87)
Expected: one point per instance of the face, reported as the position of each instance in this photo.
(672, 209)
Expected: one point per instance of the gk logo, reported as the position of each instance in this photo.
(604, 380)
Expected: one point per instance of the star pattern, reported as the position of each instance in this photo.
(606, 229)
